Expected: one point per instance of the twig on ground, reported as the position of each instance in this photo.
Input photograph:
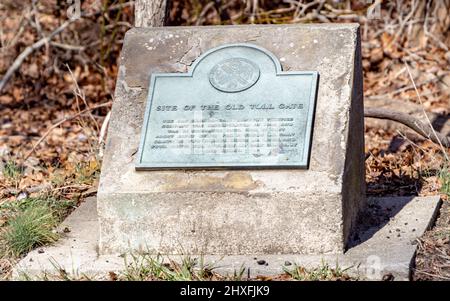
(80, 94)
(441, 140)
(428, 33)
(45, 41)
(412, 142)
(19, 31)
(403, 89)
(61, 122)
(67, 46)
(202, 15)
(37, 25)
(433, 275)
(30, 49)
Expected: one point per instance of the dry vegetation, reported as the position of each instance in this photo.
(54, 106)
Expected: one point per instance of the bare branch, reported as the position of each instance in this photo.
(45, 40)
(61, 122)
(413, 123)
(30, 49)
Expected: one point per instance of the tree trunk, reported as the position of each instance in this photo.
(150, 13)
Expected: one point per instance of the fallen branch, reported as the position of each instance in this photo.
(45, 41)
(412, 122)
(61, 122)
(29, 50)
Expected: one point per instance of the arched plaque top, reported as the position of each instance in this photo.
(232, 68)
(216, 50)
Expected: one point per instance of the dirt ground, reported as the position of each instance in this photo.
(54, 108)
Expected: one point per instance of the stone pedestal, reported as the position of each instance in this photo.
(239, 212)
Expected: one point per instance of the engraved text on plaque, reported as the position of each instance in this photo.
(235, 108)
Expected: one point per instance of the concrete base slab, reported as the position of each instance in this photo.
(384, 244)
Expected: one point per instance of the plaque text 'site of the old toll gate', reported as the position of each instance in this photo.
(235, 140)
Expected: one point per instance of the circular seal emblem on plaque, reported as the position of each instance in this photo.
(234, 75)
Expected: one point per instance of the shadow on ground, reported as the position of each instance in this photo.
(377, 214)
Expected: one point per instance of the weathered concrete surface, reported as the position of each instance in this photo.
(238, 212)
(402, 219)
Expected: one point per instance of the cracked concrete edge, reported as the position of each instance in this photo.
(77, 252)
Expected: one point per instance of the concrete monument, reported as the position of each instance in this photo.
(235, 140)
